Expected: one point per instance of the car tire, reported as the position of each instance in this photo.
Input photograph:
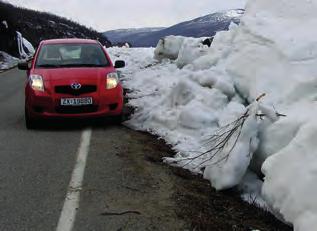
(117, 119)
(29, 122)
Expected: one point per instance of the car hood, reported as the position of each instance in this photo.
(73, 74)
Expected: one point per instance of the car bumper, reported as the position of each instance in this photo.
(46, 105)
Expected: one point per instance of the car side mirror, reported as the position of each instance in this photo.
(24, 66)
(119, 64)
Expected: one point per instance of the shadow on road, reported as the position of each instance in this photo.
(72, 124)
(75, 124)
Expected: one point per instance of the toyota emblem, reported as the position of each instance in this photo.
(75, 86)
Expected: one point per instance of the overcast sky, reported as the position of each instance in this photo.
(106, 15)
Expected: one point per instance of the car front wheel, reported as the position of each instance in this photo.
(29, 122)
(118, 119)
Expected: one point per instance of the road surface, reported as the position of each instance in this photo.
(97, 176)
(117, 189)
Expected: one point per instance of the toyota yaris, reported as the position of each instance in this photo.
(72, 78)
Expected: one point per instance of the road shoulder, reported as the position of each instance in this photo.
(127, 187)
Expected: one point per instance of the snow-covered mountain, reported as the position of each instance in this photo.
(116, 36)
(200, 27)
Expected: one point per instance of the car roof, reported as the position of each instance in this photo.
(69, 40)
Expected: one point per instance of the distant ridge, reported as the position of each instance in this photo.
(117, 35)
(200, 27)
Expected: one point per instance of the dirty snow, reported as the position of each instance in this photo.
(25, 48)
(7, 61)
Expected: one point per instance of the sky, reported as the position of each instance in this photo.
(104, 15)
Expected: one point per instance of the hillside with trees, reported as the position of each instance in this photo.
(36, 26)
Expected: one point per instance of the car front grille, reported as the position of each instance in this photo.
(76, 109)
(66, 89)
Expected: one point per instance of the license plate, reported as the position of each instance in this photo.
(76, 101)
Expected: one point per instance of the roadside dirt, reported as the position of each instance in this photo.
(128, 187)
(191, 198)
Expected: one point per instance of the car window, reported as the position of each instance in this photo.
(71, 55)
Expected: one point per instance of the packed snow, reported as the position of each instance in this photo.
(190, 95)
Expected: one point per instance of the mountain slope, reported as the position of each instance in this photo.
(36, 26)
(117, 35)
(200, 27)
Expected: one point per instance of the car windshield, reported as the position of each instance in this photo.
(71, 55)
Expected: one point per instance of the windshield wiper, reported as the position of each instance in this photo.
(49, 65)
(82, 65)
(70, 65)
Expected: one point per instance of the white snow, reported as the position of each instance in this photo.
(229, 166)
(234, 13)
(169, 47)
(22, 52)
(188, 92)
(22, 44)
(29, 47)
(190, 51)
(5, 23)
(295, 164)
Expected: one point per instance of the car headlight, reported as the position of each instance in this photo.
(36, 82)
(112, 80)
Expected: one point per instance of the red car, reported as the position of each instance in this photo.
(72, 78)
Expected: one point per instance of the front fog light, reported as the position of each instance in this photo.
(112, 80)
(36, 82)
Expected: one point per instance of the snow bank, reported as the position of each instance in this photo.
(28, 46)
(273, 51)
(26, 49)
(229, 166)
(290, 176)
(284, 66)
(5, 23)
(7, 61)
(168, 47)
(190, 51)
(182, 49)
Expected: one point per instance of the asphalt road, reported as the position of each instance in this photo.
(120, 191)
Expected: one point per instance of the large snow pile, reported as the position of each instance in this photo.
(273, 51)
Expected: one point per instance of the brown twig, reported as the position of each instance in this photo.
(220, 139)
(260, 97)
(120, 213)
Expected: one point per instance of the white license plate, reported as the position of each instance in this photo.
(76, 101)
